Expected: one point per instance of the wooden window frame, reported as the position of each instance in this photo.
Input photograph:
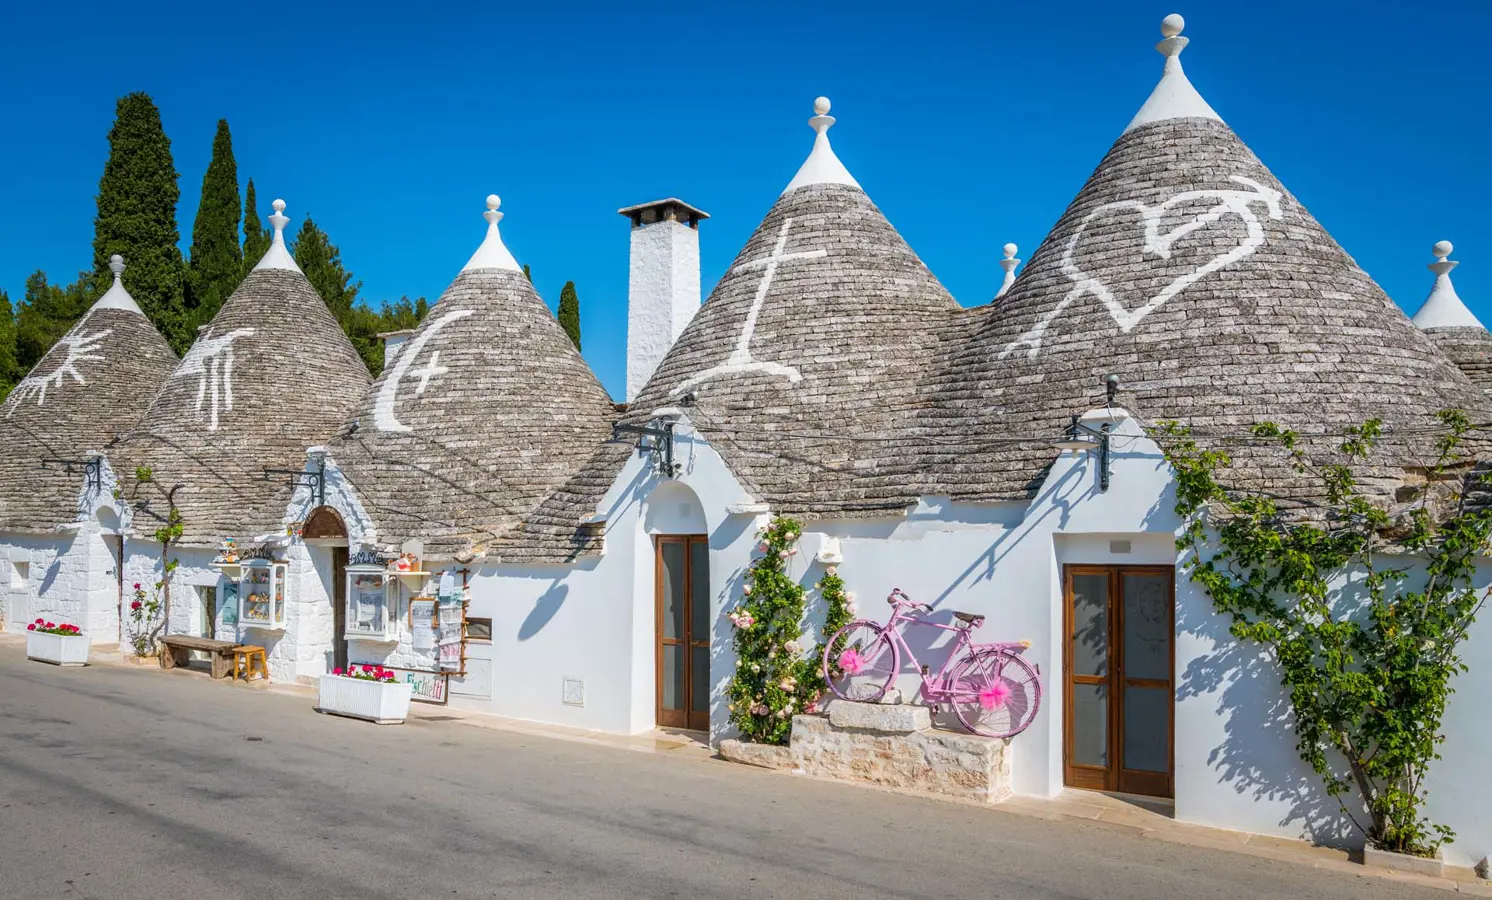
(1113, 777)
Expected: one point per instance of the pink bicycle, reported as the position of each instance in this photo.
(992, 689)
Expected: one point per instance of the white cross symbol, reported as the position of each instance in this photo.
(430, 371)
(740, 359)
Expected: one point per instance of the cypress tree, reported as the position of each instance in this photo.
(256, 236)
(569, 313)
(527, 274)
(137, 217)
(217, 260)
(8, 374)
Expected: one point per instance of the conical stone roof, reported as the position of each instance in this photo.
(483, 412)
(1452, 326)
(800, 368)
(89, 389)
(805, 358)
(1184, 267)
(271, 375)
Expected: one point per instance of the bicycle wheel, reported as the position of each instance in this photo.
(860, 661)
(995, 693)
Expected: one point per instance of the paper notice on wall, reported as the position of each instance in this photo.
(447, 585)
(422, 623)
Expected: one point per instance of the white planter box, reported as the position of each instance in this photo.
(57, 649)
(1401, 862)
(386, 703)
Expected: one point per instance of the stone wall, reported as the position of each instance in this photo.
(889, 746)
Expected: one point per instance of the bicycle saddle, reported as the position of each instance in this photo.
(973, 620)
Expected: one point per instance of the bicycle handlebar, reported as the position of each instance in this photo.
(898, 597)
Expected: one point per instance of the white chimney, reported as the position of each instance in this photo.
(662, 284)
(392, 341)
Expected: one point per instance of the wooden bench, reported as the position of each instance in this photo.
(175, 647)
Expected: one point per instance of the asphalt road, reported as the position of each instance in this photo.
(131, 783)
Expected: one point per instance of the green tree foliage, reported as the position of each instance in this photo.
(137, 218)
(1362, 610)
(527, 274)
(46, 314)
(569, 313)
(9, 368)
(216, 265)
(321, 262)
(256, 236)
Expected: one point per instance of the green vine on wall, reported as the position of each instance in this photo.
(1362, 610)
(776, 674)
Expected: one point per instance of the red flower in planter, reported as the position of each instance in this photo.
(41, 621)
(31, 627)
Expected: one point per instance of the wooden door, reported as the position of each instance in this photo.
(339, 607)
(682, 579)
(1119, 660)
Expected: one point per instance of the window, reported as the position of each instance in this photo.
(207, 600)
(20, 573)
(372, 603)
(261, 595)
(479, 629)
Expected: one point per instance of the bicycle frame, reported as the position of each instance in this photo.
(933, 686)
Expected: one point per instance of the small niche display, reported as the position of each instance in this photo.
(261, 594)
(372, 604)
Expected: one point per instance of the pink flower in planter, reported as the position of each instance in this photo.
(995, 696)
(337, 670)
(852, 662)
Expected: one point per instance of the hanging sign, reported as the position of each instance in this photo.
(368, 558)
(450, 622)
(428, 687)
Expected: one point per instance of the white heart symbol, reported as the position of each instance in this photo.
(1237, 202)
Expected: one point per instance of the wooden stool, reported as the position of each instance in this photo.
(248, 658)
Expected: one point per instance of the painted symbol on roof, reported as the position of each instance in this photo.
(211, 360)
(740, 359)
(383, 406)
(1239, 203)
(78, 347)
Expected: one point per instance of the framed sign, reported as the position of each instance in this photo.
(429, 687)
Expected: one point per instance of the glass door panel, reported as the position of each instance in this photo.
(684, 616)
(1118, 729)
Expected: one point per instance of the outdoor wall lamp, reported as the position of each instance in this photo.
(1081, 437)
(316, 480)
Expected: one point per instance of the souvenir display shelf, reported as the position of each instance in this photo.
(372, 604)
(261, 594)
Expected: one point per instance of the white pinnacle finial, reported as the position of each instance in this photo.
(1008, 264)
(493, 254)
(1444, 308)
(822, 166)
(278, 255)
(116, 297)
(1174, 97)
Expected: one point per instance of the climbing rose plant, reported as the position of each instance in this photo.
(776, 674)
(1368, 667)
(144, 615)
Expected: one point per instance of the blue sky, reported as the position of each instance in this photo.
(970, 124)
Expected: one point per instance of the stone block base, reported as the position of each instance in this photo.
(966, 766)
(1402, 862)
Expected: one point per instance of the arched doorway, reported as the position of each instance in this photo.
(324, 527)
(675, 519)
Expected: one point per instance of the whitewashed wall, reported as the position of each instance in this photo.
(70, 578)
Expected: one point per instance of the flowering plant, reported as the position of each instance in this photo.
(366, 673)
(145, 609)
(45, 627)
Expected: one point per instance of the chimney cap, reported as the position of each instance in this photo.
(678, 208)
(402, 332)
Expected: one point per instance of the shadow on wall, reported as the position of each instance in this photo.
(49, 577)
(545, 609)
(1257, 756)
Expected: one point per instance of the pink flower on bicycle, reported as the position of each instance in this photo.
(995, 696)
(852, 662)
